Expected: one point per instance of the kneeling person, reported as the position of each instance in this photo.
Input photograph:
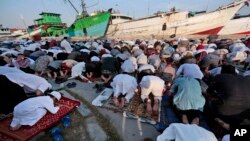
(125, 85)
(30, 111)
(155, 85)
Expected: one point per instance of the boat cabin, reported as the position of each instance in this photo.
(4, 30)
(119, 18)
(48, 18)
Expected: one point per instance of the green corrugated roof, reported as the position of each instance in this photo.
(49, 13)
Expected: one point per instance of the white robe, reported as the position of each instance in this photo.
(78, 69)
(189, 70)
(152, 84)
(186, 132)
(66, 45)
(128, 66)
(33, 47)
(5, 69)
(29, 82)
(124, 84)
(30, 111)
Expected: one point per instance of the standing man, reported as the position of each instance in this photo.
(66, 45)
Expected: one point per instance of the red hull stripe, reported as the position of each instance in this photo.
(213, 31)
(246, 32)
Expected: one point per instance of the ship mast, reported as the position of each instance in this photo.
(84, 9)
(73, 6)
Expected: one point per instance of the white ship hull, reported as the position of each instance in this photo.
(176, 23)
(237, 27)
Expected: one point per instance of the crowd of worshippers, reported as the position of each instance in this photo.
(199, 75)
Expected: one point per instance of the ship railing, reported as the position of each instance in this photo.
(235, 3)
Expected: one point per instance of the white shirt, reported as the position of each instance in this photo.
(5, 69)
(30, 111)
(153, 83)
(154, 60)
(142, 59)
(217, 71)
(186, 132)
(29, 82)
(12, 52)
(124, 83)
(54, 51)
(146, 67)
(33, 47)
(66, 45)
(238, 47)
(128, 66)
(189, 70)
(78, 69)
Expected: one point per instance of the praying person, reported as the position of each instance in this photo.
(187, 98)
(66, 45)
(30, 111)
(155, 85)
(123, 85)
(42, 63)
(189, 70)
(30, 83)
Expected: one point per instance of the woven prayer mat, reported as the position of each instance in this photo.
(137, 110)
(27, 132)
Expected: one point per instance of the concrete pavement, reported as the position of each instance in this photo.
(128, 129)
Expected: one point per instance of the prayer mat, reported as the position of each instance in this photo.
(168, 115)
(110, 105)
(137, 110)
(94, 79)
(27, 132)
(103, 97)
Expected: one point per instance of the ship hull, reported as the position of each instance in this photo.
(237, 27)
(178, 24)
(93, 26)
(90, 27)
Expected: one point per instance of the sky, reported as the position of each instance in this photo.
(11, 11)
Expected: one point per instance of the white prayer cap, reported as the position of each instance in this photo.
(106, 55)
(85, 50)
(88, 44)
(137, 52)
(135, 48)
(100, 47)
(238, 41)
(122, 56)
(246, 73)
(6, 42)
(240, 56)
(212, 45)
(182, 38)
(42, 42)
(56, 94)
(95, 44)
(131, 43)
(143, 43)
(176, 57)
(146, 67)
(117, 46)
(150, 46)
(210, 50)
(94, 59)
(151, 42)
(128, 66)
(142, 60)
